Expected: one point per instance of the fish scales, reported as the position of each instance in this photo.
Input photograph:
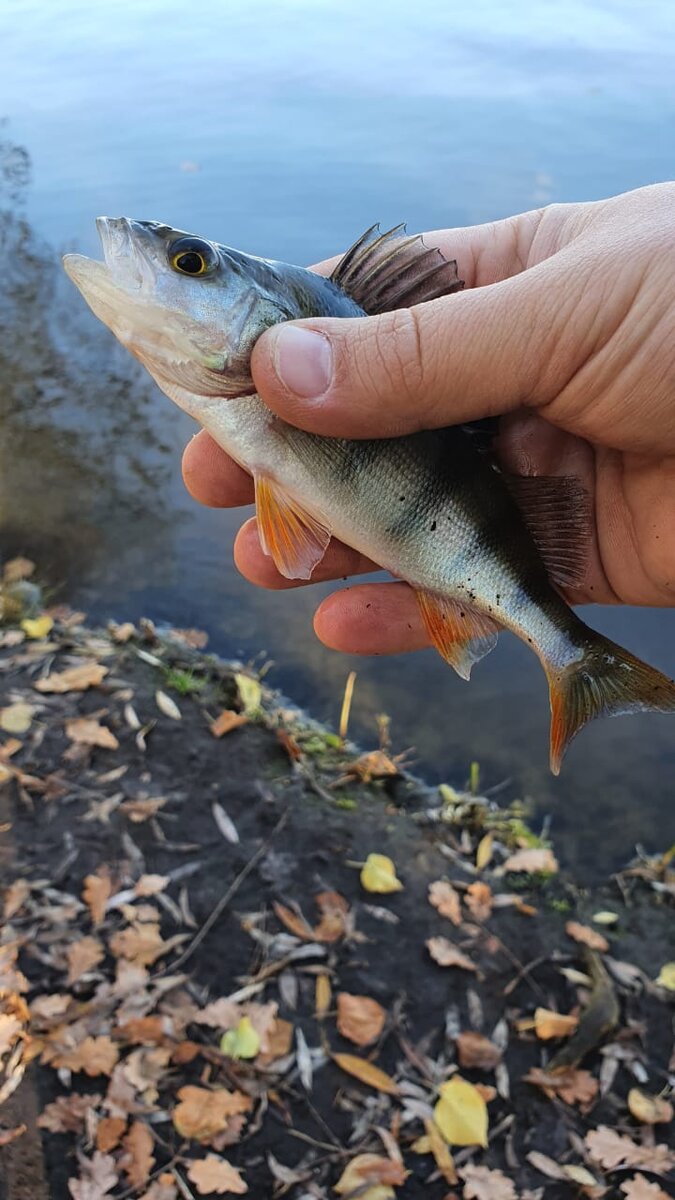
(481, 551)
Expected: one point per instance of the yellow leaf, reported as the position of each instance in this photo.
(242, 1041)
(605, 917)
(367, 1073)
(379, 875)
(650, 1110)
(37, 627)
(322, 995)
(439, 1149)
(16, 718)
(484, 851)
(666, 976)
(461, 1114)
(250, 693)
(371, 1177)
(549, 1024)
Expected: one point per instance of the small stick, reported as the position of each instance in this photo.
(347, 704)
(225, 899)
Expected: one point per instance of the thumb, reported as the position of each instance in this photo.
(478, 353)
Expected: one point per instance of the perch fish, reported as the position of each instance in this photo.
(481, 550)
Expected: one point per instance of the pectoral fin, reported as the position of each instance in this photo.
(288, 533)
(460, 633)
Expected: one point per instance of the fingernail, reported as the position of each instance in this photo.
(303, 361)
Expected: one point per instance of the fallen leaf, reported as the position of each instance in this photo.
(15, 898)
(639, 1188)
(294, 922)
(461, 1113)
(446, 954)
(225, 824)
(549, 1024)
(571, 1085)
(109, 1132)
(666, 976)
(371, 1177)
(16, 718)
(532, 861)
(16, 569)
(334, 913)
(215, 1176)
(563, 1171)
(167, 706)
(142, 944)
(605, 917)
(86, 732)
(98, 1176)
(96, 892)
(378, 874)
(37, 627)
(322, 995)
(94, 1056)
(202, 1113)
(83, 956)
(476, 1051)
(650, 1110)
(366, 1073)
(480, 1183)
(10, 1135)
(250, 693)
(74, 679)
(444, 897)
(121, 633)
(67, 1114)
(478, 900)
(484, 851)
(613, 1151)
(373, 765)
(142, 808)
(162, 1188)
(359, 1018)
(138, 1159)
(441, 1152)
(586, 936)
(241, 1042)
(151, 885)
(226, 722)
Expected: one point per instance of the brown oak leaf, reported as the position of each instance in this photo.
(202, 1113)
(138, 1159)
(359, 1018)
(444, 897)
(214, 1176)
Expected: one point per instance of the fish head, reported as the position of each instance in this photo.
(189, 309)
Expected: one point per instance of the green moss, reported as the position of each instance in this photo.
(186, 683)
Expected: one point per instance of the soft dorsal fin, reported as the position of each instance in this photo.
(557, 512)
(388, 270)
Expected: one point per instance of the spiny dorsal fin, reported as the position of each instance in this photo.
(557, 512)
(388, 270)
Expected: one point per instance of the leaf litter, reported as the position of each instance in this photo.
(204, 1016)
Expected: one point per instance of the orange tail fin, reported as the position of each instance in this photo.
(607, 681)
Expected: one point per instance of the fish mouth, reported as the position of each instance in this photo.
(130, 259)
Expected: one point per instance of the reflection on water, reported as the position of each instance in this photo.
(287, 129)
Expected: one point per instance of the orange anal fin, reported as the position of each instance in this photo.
(460, 633)
(288, 533)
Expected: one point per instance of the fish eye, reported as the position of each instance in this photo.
(192, 256)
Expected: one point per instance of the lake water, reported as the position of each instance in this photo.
(285, 128)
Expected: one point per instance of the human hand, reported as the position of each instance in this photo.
(566, 331)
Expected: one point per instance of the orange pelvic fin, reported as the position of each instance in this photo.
(288, 533)
(606, 681)
(460, 633)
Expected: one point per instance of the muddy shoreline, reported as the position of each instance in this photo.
(251, 845)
